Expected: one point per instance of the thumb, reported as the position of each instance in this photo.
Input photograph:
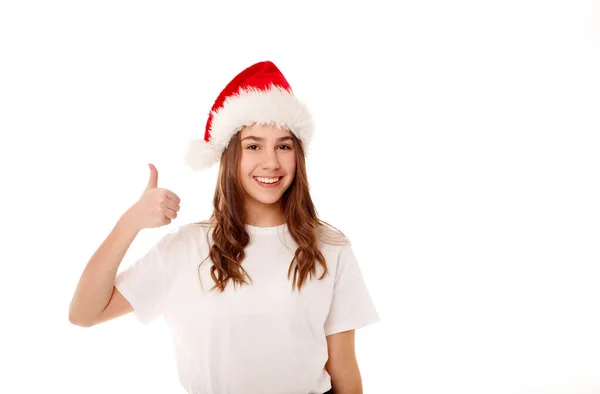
(153, 181)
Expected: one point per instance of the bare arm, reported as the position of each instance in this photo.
(96, 299)
(342, 365)
(96, 285)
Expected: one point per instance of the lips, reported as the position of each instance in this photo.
(267, 182)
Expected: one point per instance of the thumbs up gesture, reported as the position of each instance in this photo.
(156, 207)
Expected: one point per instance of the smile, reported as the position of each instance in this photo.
(268, 182)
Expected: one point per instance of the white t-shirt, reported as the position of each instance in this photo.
(257, 338)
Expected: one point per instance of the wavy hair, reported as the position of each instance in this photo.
(229, 235)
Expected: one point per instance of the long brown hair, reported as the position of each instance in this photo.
(229, 233)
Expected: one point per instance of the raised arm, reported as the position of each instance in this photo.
(96, 299)
(96, 285)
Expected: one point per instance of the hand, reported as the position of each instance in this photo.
(156, 207)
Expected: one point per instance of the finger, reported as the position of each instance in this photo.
(153, 181)
(172, 196)
(171, 205)
(169, 213)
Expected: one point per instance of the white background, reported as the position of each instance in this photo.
(457, 146)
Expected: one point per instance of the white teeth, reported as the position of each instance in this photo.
(267, 180)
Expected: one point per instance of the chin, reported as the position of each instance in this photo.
(266, 198)
(266, 201)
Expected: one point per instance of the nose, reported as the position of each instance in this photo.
(270, 160)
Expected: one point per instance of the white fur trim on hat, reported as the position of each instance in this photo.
(275, 106)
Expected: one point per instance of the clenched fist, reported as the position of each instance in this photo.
(156, 207)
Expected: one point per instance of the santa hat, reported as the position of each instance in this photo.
(259, 94)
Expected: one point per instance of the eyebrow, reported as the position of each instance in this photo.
(260, 139)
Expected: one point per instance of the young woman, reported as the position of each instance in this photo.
(264, 297)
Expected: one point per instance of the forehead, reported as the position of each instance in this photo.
(264, 131)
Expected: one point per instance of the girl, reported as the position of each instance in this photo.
(264, 297)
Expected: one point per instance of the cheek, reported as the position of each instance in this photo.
(246, 165)
(290, 164)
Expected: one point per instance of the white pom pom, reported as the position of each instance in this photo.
(200, 155)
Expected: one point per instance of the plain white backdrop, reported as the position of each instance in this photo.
(457, 146)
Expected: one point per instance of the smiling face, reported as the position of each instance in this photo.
(267, 165)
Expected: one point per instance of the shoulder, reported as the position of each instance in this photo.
(338, 249)
(196, 227)
(330, 236)
(186, 234)
(202, 227)
(335, 246)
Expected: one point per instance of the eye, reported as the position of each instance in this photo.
(252, 147)
(285, 147)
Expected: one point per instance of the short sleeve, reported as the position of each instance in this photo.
(351, 305)
(146, 284)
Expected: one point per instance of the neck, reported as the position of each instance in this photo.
(263, 215)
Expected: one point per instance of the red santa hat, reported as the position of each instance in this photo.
(259, 94)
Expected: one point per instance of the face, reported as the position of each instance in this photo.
(268, 163)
